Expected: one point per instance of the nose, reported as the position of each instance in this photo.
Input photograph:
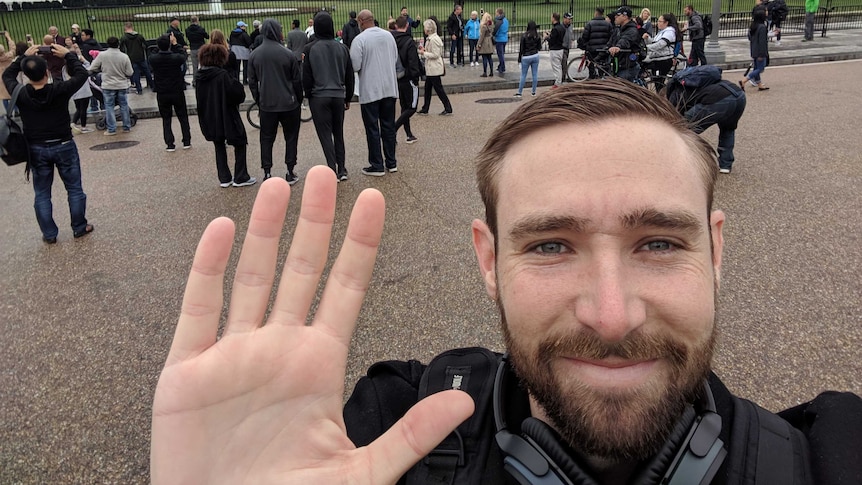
(609, 303)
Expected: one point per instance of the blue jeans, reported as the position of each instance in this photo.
(141, 67)
(501, 56)
(112, 96)
(43, 159)
(726, 114)
(759, 66)
(529, 62)
(379, 120)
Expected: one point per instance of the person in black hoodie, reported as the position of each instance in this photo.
(276, 84)
(218, 97)
(594, 39)
(135, 46)
(169, 85)
(350, 29)
(624, 45)
(88, 43)
(327, 79)
(408, 76)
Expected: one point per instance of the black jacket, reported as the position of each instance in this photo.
(628, 39)
(197, 36)
(830, 426)
(327, 70)
(134, 45)
(555, 40)
(167, 70)
(349, 32)
(596, 35)
(218, 97)
(89, 45)
(408, 55)
(530, 45)
(455, 26)
(178, 34)
(240, 37)
(45, 112)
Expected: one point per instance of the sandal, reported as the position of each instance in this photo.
(742, 84)
(87, 230)
(762, 87)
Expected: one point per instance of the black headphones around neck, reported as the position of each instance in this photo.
(692, 454)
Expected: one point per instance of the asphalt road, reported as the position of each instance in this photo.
(86, 324)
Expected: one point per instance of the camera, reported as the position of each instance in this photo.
(44, 49)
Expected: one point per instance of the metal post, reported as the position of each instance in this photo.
(714, 54)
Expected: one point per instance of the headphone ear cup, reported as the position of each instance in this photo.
(549, 442)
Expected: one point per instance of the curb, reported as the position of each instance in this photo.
(511, 80)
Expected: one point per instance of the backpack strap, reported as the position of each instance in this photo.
(463, 454)
(14, 100)
(767, 449)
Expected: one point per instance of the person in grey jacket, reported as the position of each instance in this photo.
(116, 68)
(296, 39)
(327, 80)
(697, 36)
(275, 81)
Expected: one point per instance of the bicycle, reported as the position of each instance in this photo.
(252, 113)
(580, 69)
(656, 82)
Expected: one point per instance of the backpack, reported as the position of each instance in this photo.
(707, 25)
(691, 78)
(14, 148)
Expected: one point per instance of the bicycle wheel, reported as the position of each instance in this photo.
(305, 112)
(252, 114)
(578, 69)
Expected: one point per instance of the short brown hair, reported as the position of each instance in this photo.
(212, 55)
(584, 103)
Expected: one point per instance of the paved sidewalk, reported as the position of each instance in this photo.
(839, 45)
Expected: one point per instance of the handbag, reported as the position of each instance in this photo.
(14, 148)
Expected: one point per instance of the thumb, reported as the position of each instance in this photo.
(423, 427)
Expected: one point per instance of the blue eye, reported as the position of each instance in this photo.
(658, 246)
(550, 248)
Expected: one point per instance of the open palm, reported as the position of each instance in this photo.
(262, 404)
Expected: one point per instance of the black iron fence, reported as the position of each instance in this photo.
(106, 17)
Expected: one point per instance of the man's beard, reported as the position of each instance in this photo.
(616, 425)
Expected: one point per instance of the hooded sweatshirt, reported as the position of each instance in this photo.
(274, 73)
(327, 71)
(134, 45)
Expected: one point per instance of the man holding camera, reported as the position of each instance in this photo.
(44, 109)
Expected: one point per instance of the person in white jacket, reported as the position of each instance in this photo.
(660, 49)
(116, 68)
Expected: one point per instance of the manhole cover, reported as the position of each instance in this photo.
(114, 145)
(497, 100)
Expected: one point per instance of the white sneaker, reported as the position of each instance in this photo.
(85, 129)
(778, 43)
(75, 128)
(724, 170)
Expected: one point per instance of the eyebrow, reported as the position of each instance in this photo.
(535, 224)
(682, 221)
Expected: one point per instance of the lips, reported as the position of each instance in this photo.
(611, 372)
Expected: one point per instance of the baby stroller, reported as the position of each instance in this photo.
(95, 81)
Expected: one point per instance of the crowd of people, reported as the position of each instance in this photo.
(282, 69)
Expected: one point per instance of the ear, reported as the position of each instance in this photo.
(716, 225)
(483, 244)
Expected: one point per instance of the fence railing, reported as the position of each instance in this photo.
(106, 17)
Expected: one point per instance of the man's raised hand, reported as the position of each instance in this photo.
(263, 404)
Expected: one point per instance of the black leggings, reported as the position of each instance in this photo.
(81, 111)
